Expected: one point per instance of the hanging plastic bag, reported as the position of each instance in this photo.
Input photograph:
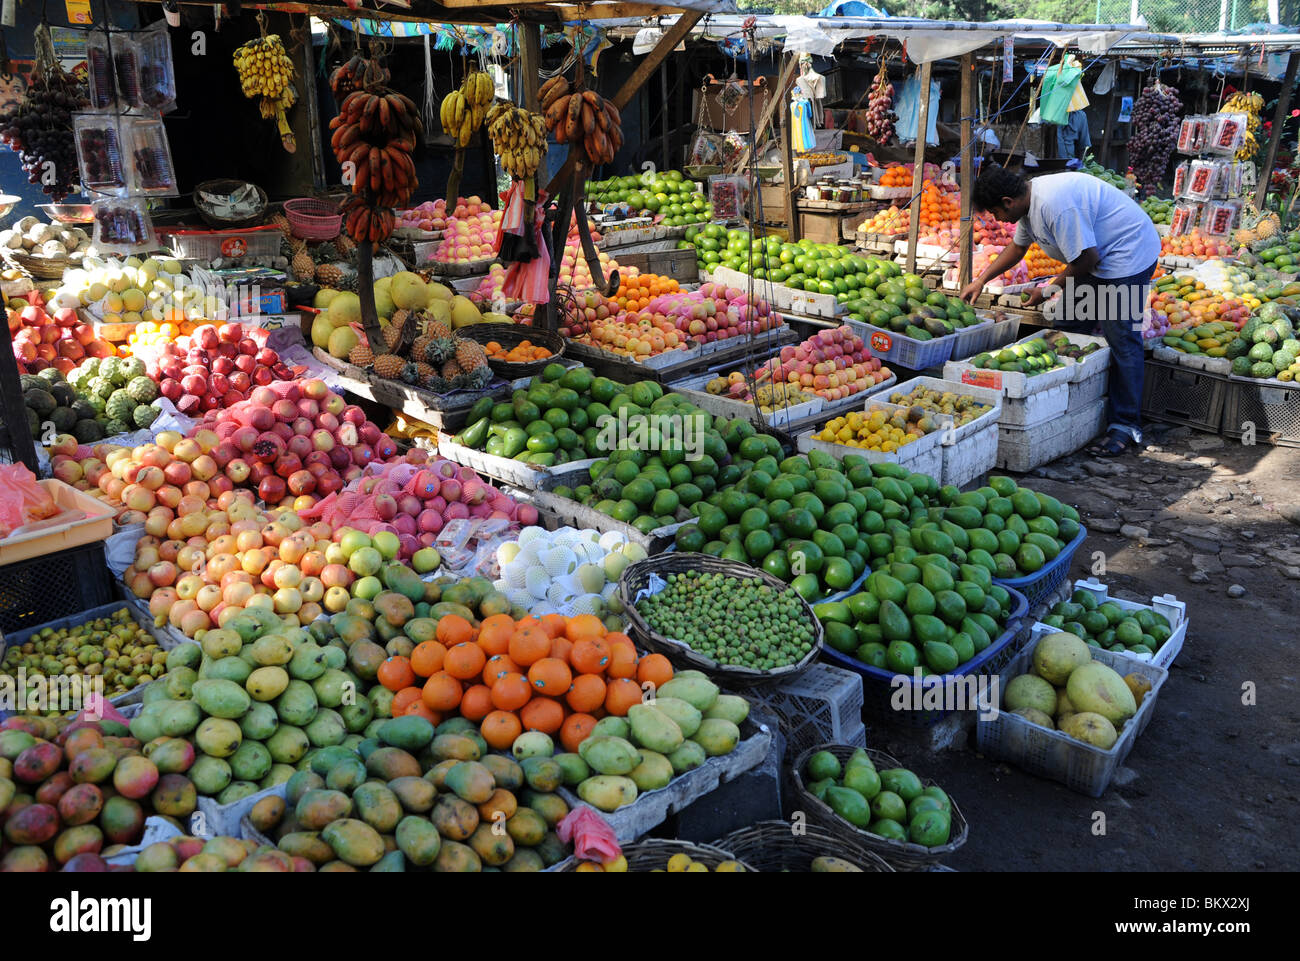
(22, 499)
(1059, 84)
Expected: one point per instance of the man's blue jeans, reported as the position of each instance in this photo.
(1114, 307)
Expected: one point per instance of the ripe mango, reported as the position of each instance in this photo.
(94, 766)
(80, 804)
(378, 807)
(550, 806)
(347, 775)
(211, 775)
(457, 858)
(33, 824)
(288, 744)
(687, 757)
(307, 844)
(307, 662)
(394, 862)
(220, 643)
(173, 756)
(279, 774)
(654, 772)
(300, 784)
(542, 773)
(418, 840)
(331, 687)
(251, 761)
(415, 794)
(326, 728)
(493, 849)
(218, 737)
(717, 736)
(609, 755)
(364, 659)
(122, 819)
(607, 792)
(230, 850)
(175, 796)
(684, 714)
(228, 669)
(273, 650)
(524, 861)
(505, 772)
(37, 762)
(698, 691)
(455, 818)
(317, 808)
(388, 763)
(473, 782)
(134, 777)
(267, 683)
(653, 729)
(459, 747)
(267, 813)
(729, 707)
(222, 699)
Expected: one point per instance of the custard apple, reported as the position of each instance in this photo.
(114, 427)
(63, 419)
(110, 369)
(78, 378)
(96, 404)
(131, 367)
(90, 366)
(145, 414)
(87, 431)
(142, 389)
(102, 387)
(120, 406)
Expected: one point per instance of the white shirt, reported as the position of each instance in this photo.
(1070, 212)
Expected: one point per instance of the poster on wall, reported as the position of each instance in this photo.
(1125, 110)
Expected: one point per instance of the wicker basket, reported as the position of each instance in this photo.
(902, 855)
(645, 855)
(773, 846)
(637, 577)
(42, 268)
(226, 186)
(510, 335)
(313, 219)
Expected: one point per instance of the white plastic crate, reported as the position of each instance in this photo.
(1022, 449)
(1173, 610)
(1088, 389)
(922, 456)
(1035, 409)
(1051, 754)
(970, 457)
(823, 705)
(1098, 360)
(981, 394)
(692, 388)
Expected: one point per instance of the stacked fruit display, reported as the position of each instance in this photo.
(984, 256)
(118, 390)
(216, 367)
(429, 216)
(771, 397)
(1195, 244)
(113, 647)
(1156, 121)
(267, 73)
(832, 364)
(1108, 625)
(470, 235)
(374, 134)
(1031, 357)
(891, 221)
(637, 747)
(880, 109)
(519, 137)
(1117, 180)
(582, 117)
(713, 312)
(131, 291)
(878, 429)
(988, 230)
(424, 352)
(636, 290)
(1039, 264)
(579, 312)
(463, 111)
(71, 790)
(667, 195)
(885, 297)
(1266, 347)
(566, 571)
(891, 804)
(1070, 692)
(57, 341)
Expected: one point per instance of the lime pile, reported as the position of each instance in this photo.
(668, 193)
(1106, 624)
(731, 620)
(891, 804)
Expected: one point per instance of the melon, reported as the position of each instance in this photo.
(1097, 689)
(344, 309)
(1091, 729)
(321, 328)
(341, 341)
(1029, 691)
(463, 312)
(441, 292)
(1058, 655)
(409, 291)
(1034, 716)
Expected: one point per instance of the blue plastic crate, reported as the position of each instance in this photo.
(877, 684)
(1046, 580)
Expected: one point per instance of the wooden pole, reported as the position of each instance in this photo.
(1111, 114)
(1279, 118)
(366, 293)
(775, 102)
(530, 64)
(787, 159)
(918, 168)
(663, 115)
(967, 169)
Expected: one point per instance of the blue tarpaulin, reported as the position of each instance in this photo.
(852, 8)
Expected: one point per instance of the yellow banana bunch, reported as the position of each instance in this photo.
(519, 137)
(452, 113)
(266, 72)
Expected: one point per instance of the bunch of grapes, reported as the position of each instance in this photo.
(40, 130)
(880, 116)
(1157, 116)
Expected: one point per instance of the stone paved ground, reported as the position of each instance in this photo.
(1212, 783)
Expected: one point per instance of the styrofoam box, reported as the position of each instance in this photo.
(693, 389)
(1090, 365)
(970, 457)
(983, 395)
(1173, 610)
(1089, 389)
(922, 456)
(1035, 409)
(1011, 383)
(1022, 449)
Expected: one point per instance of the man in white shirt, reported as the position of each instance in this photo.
(1110, 248)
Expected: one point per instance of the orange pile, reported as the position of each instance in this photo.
(521, 353)
(898, 176)
(554, 674)
(938, 207)
(636, 292)
(1041, 265)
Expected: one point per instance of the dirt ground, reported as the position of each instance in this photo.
(1212, 783)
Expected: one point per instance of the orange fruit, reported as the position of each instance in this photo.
(542, 714)
(550, 676)
(560, 647)
(497, 666)
(500, 728)
(622, 657)
(454, 629)
(464, 660)
(584, 626)
(655, 669)
(511, 692)
(590, 656)
(620, 695)
(494, 634)
(554, 624)
(529, 644)
(426, 659)
(587, 692)
(403, 698)
(476, 703)
(575, 729)
(420, 709)
(442, 692)
(395, 673)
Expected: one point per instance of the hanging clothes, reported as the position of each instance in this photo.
(801, 126)
(907, 107)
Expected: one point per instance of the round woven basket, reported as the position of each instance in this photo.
(226, 186)
(773, 846)
(511, 335)
(650, 853)
(313, 219)
(637, 577)
(43, 268)
(902, 855)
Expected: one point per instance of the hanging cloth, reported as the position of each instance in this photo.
(801, 126)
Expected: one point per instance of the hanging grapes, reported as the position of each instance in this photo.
(40, 128)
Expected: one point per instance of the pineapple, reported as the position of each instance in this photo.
(392, 335)
(349, 282)
(361, 355)
(423, 371)
(329, 275)
(280, 220)
(470, 355)
(346, 246)
(420, 346)
(399, 318)
(304, 268)
(388, 366)
(450, 370)
(409, 374)
(327, 252)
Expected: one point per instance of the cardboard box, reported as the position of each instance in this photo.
(681, 265)
(773, 203)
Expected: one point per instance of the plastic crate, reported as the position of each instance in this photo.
(1177, 395)
(1023, 449)
(969, 341)
(1272, 407)
(904, 351)
(1080, 370)
(1051, 754)
(93, 521)
(45, 588)
(227, 244)
(1173, 610)
(879, 685)
(1047, 579)
(821, 705)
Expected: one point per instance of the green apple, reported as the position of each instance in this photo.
(367, 588)
(387, 543)
(365, 562)
(425, 559)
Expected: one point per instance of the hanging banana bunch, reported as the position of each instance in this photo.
(463, 111)
(582, 116)
(374, 135)
(358, 73)
(1251, 104)
(266, 72)
(519, 137)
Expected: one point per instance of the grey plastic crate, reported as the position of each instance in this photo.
(1174, 394)
(1272, 408)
